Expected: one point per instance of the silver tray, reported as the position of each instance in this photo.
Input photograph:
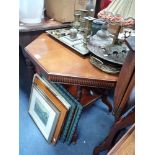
(115, 54)
(62, 35)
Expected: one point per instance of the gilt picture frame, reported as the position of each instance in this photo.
(43, 112)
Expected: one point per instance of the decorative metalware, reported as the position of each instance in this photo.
(76, 23)
(88, 24)
(84, 13)
(102, 38)
(114, 54)
(108, 43)
(105, 66)
(97, 25)
(70, 37)
(73, 33)
(90, 7)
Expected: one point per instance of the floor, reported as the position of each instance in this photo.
(94, 126)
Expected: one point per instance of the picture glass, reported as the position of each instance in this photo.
(41, 111)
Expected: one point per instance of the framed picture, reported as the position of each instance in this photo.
(43, 112)
(58, 101)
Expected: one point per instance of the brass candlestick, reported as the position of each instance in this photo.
(88, 28)
(85, 36)
(88, 24)
(84, 13)
(76, 23)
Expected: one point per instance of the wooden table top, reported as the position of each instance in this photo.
(61, 64)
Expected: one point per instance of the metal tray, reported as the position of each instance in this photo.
(115, 54)
(105, 66)
(62, 35)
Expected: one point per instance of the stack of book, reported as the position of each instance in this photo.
(54, 110)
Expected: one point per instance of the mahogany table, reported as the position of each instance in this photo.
(62, 64)
(59, 63)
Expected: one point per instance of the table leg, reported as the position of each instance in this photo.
(31, 69)
(104, 97)
(79, 93)
(106, 101)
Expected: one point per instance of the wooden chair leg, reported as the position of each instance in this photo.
(123, 122)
